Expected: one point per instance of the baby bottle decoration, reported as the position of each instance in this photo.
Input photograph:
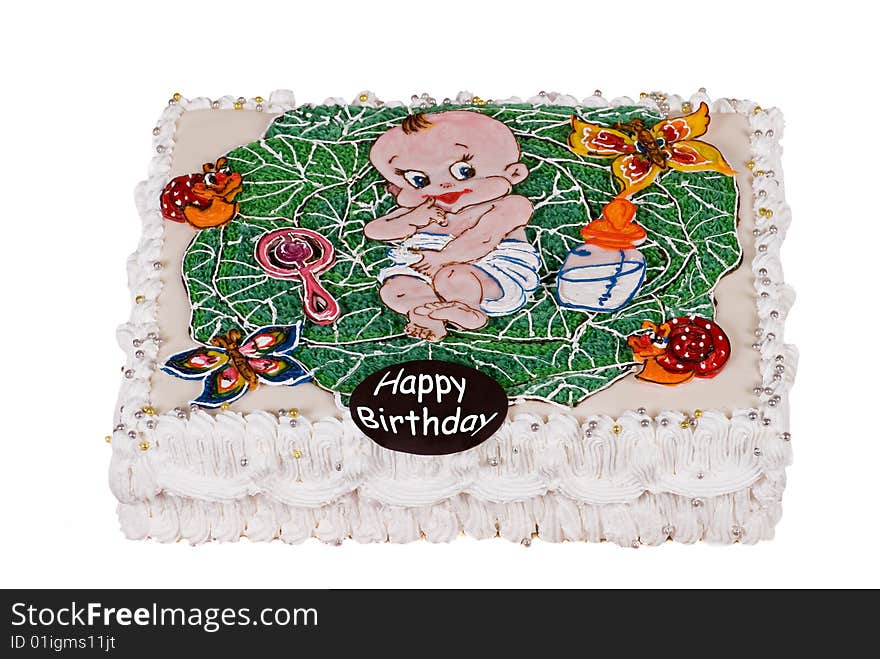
(606, 271)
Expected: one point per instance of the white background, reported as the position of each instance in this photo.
(82, 88)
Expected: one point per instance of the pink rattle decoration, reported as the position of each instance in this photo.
(296, 253)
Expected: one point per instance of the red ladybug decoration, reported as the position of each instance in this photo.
(680, 349)
(203, 200)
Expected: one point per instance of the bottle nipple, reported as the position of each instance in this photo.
(616, 228)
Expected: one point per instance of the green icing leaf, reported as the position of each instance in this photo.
(312, 169)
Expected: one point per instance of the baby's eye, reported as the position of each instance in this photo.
(660, 342)
(462, 170)
(210, 179)
(416, 178)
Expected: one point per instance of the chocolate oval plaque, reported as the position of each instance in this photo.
(428, 407)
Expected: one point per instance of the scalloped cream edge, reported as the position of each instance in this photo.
(632, 480)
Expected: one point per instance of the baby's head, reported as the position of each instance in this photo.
(458, 158)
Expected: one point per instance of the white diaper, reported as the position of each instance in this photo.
(514, 266)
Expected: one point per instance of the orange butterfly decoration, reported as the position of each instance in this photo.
(641, 154)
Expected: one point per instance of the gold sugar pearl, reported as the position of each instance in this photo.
(750, 164)
(759, 172)
(108, 439)
(616, 429)
(144, 446)
(643, 95)
(297, 453)
(238, 105)
(765, 212)
(293, 412)
(686, 107)
(698, 413)
(685, 424)
(176, 96)
(479, 102)
(258, 99)
(363, 98)
(139, 299)
(149, 409)
(758, 109)
(224, 406)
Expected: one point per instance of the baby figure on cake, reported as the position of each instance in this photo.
(460, 252)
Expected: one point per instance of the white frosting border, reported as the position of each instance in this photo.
(631, 480)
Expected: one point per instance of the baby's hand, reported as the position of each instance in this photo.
(425, 214)
(430, 262)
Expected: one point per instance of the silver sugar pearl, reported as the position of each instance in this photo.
(753, 415)
(769, 133)
(215, 104)
(597, 92)
(736, 531)
(292, 423)
(759, 133)
(785, 437)
(157, 265)
(526, 542)
(757, 391)
(766, 281)
(593, 424)
(768, 390)
(758, 452)
(535, 427)
(759, 332)
(645, 423)
(588, 433)
(493, 462)
(700, 475)
(643, 411)
(780, 358)
(132, 434)
(635, 544)
(765, 295)
(762, 193)
(515, 451)
(338, 466)
(139, 354)
(696, 503)
(774, 315)
(771, 336)
(542, 93)
(664, 421)
(241, 99)
(777, 377)
(129, 374)
(779, 368)
(766, 421)
(773, 402)
(139, 415)
(756, 232)
(668, 530)
(160, 149)
(447, 101)
(243, 462)
(152, 336)
(181, 414)
(118, 427)
(773, 229)
(756, 346)
(151, 425)
(259, 107)
(157, 130)
(762, 248)
(763, 272)
(136, 343)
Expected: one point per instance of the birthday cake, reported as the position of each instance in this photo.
(547, 317)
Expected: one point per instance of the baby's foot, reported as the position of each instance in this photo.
(458, 313)
(422, 326)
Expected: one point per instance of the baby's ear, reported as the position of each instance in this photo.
(392, 189)
(516, 172)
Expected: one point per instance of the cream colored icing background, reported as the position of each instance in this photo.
(205, 135)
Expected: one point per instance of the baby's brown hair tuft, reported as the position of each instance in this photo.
(415, 122)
